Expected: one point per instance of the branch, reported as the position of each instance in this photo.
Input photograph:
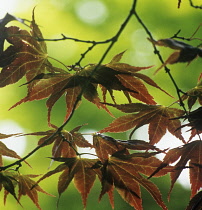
(113, 40)
(167, 70)
(192, 5)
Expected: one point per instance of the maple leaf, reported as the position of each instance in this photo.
(194, 118)
(193, 95)
(184, 53)
(25, 55)
(3, 22)
(122, 77)
(5, 151)
(124, 174)
(64, 143)
(158, 117)
(79, 169)
(111, 76)
(189, 152)
(8, 182)
(25, 185)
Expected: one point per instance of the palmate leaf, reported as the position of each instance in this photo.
(189, 152)
(12, 180)
(64, 143)
(25, 185)
(110, 77)
(124, 173)
(25, 55)
(184, 52)
(195, 121)
(79, 169)
(8, 182)
(158, 117)
(193, 95)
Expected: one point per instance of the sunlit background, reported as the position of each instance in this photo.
(96, 20)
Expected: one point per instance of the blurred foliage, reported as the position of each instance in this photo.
(163, 19)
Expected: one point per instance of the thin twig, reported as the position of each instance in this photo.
(192, 5)
(167, 70)
(58, 131)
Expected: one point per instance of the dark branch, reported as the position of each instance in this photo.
(167, 70)
(192, 5)
(112, 41)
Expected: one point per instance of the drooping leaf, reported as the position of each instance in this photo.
(78, 168)
(124, 174)
(26, 55)
(189, 152)
(25, 185)
(158, 117)
(5, 151)
(184, 53)
(105, 146)
(3, 22)
(64, 143)
(193, 95)
(8, 182)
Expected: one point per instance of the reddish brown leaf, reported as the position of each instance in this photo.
(25, 184)
(117, 58)
(28, 56)
(64, 143)
(45, 87)
(78, 168)
(184, 53)
(193, 95)
(124, 174)
(194, 118)
(139, 90)
(189, 152)
(158, 118)
(5, 151)
(105, 146)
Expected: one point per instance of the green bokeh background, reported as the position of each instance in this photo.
(163, 19)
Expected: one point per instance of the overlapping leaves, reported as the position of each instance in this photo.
(25, 55)
(110, 77)
(193, 95)
(12, 180)
(159, 118)
(64, 143)
(190, 152)
(115, 167)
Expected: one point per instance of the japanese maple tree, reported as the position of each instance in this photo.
(124, 165)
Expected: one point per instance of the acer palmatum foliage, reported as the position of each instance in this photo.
(124, 165)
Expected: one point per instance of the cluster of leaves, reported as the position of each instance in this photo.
(119, 164)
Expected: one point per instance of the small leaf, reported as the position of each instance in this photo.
(184, 53)
(117, 58)
(26, 184)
